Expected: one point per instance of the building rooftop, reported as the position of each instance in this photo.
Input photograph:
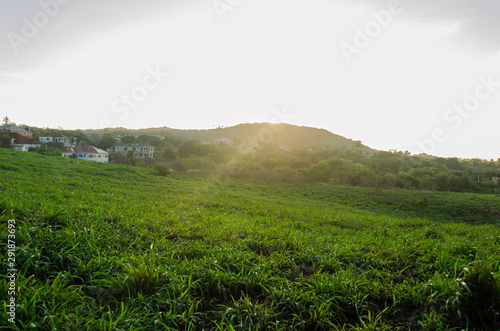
(11, 127)
(20, 139)
(134, 145)
(54, 135)
(84, 149)
(223, 139)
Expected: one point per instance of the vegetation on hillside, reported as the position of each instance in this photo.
(114, 247)
(250, 134)
(311, 159)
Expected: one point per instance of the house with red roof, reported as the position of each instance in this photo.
(21, 142)
(12, 128)
(88, 153)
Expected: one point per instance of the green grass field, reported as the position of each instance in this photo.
(113, 247)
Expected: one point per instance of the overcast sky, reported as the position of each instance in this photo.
(421, 75)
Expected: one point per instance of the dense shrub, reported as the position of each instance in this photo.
(161, 170)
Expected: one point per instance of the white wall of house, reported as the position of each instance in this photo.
(67, 141)
(97, 157)
(139, 151)
(46, 139)
(94, 157)
(23, 147)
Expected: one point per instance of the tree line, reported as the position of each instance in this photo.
(341, 166)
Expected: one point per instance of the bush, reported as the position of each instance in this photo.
(179, 165)
(161, 170)
(119, 158)
(479, 298)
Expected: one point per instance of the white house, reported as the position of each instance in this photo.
(57, 137)
(139, 151)
(21, 142)
(87, 152)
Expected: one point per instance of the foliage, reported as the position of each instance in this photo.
(478, 301)
(45, 150)
(350, 163)
(169, 153)
(128, 139)
(161, 170)
(322, 171)
(151, 140)
(131, 157)
(106, 141)
(5, 141)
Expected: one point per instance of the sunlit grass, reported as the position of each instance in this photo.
(112, 247)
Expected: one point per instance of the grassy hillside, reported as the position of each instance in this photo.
(112, 247)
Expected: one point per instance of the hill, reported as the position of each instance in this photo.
(257, 133)
(114, 247)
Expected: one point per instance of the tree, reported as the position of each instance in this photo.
(131, 157)
(193, 147)
(269, 163)
(169, 153)
(81, 137)
(321, 171)
(455, 183)
(6, 120)
(107, 141)
(466, 182)
(128, 140)
(453, 163)
(5, 141)
(443, 181)
(153, 140)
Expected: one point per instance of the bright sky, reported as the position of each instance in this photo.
(422, 75)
